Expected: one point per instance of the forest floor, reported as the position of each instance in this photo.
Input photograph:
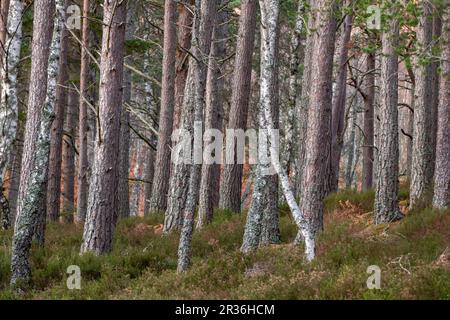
(413, 254)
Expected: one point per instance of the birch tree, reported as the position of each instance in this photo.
(8, 98)
(204, 18)
(60, 102)
(35, 147)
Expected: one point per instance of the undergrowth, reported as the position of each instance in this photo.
(411, 254)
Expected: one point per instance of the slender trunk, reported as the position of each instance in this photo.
(9, 105)
(210, 177)
(4, 15)
(35, 148)
(435, 84)
(205, 16)
(60, 102)
(162, 165)
(369, 141)
(231, 184)
(124, 144)
(442, 176)
(340, 98)
(422, 153)
(302, 107)
(69, 157)
(290, 119)
(386, 207)
(82, 179)
(184, 34)
(103, 197)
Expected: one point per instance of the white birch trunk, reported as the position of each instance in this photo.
(9, 103)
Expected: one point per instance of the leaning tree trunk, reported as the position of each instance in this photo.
(35, 147)
(231, 184)
(205, 16)
(422, 153)
(209, 186)
(442, 176)
(82, 178)
(367, 178)
(60, 102)
(318, 137)
(386, 207)
(103, 198)
(340, 98)
(268, 98)
(9, 106)
(162, 165)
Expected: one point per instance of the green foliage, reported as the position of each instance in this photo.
(143, 262)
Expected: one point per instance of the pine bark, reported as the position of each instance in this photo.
(386, 207)
(184, 33)
(422, 153)
(368, 148)
(231, 184)
(68, 206)
(441, 197)
(60, 102)
(35, 150)
(83, 164)
(210, 176)
(162, 165)
(103, 197)
(318, 137)
(339, 102)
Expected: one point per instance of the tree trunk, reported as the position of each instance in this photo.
(162, 165)
(231, 184)
(302, 106)
(210, 177)
(184, 34)
(442, 176)
(4, 15)
(422, 153)
(205, 16)
(69, 157)
(291, 120)
(60, 101)
(124, 144)
(318, 137)
(103, 198)
(339, 101)
(35, 149)
(369, 142)
(82, 179)
(9, 105)
(386, 207)
(435, 83)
